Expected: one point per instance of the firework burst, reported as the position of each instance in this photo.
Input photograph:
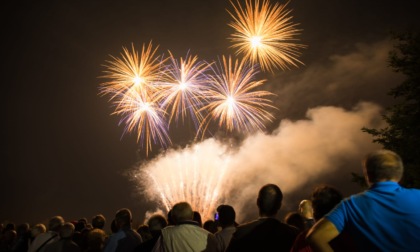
(141, 113)
(198, 175)
(183, 87)
(264, 33)
(234, 102)
(132, 88)
(132, 71)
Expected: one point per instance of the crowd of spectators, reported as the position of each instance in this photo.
(384, 217)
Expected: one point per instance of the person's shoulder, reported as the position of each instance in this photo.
(248, 225)
(133, 233)
(290, 229)
(415, 191)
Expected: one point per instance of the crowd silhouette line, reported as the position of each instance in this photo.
(384, 217)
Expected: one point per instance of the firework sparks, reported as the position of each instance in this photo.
(182, 91)
(234, 102)
(132, 87)
(265, 34)
(132, 71)
(140, 113)
(196, 174)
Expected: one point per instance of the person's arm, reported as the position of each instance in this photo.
(321, 234)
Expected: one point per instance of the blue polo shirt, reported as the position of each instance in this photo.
(386, 217)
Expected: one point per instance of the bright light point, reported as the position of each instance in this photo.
(230, 101)
(183, 85)
(145, 107)
(255, 41)
(265, 34)
(137, 80)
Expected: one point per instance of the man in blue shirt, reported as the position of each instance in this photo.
(385, 217)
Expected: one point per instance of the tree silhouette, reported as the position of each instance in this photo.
(402, 133)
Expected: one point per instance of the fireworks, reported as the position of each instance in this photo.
(149, 93)
(132, 87)
(141, 113)
(265, 34)
(197, 175)
(182, 91)
(132, 72)
(234, 102)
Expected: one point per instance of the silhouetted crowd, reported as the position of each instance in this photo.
(385, 217)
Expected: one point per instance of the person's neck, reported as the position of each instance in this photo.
(268, 216)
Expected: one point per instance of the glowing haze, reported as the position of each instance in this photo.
(293, 156)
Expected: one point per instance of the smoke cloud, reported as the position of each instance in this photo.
(318, 139)
(323, 148)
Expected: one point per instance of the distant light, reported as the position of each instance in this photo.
(138, 80)
(145, 107)
(183, 85)
(231, 101)
(255, 41)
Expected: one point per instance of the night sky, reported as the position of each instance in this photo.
(66, 155)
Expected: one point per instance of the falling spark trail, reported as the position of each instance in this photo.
(193, 175)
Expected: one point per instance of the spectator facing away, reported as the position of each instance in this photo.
(186, 235)
(385, 217)
(266, 233)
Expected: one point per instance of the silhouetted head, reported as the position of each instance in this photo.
(305, 208)
(98, 221)
(144, 232)
(169, 218)
(295, 219)
(123, 218)
(22, 229)
(182, 211)
(96, 239)
(156, 223)
(37, 229)
(55, 223)
(80, 224)
(197, 218)
(324, 199)
(67, 230)
(211, 226)
(227, 215)
(269, 200)
(383, 165)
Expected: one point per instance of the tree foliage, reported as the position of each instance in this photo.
(402, 133)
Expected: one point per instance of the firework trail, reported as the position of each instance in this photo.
(182, 90)
(264, 33)
(234, 102)
(142, 114)
(195, 174)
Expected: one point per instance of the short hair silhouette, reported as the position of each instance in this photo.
(67, 230)
(383, 165)
(55, 223)
(123, 217)
(227, 215)
(98, 221)
(156, 223)
(269, 199)
(197, 218)
(182, 211)
(324, 198)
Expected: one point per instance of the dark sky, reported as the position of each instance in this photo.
(66, 155)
